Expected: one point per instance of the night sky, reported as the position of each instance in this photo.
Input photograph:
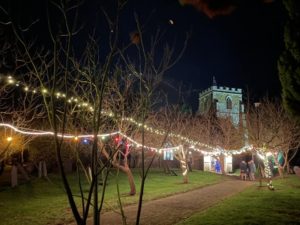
(239, 48)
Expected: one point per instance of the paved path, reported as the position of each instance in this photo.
(172, 209)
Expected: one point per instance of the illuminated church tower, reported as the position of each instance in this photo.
(225, 101)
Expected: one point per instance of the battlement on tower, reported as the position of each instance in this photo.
(221, 89)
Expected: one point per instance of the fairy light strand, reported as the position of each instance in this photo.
(81, 136)
(80, 103)
(83, 104)
(70, 136)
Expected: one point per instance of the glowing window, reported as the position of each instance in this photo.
(168, 155)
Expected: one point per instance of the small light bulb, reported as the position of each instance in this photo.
(9, 139)
(10, 81)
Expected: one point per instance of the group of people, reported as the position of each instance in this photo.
(247, 170)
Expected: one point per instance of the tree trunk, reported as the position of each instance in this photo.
(222, 162)
(45, 172)
(185, 179)
(280, 171)
(68, 165)
(14, 176)
(22, 170)
(138, 161)
(184, 170)
(183, 165)
(166, 167)
(280, 168)
(128, 172)
(42, 170)
(288, 168)
(2, 166)
(90, 176)
(261, 173)
(124, 169)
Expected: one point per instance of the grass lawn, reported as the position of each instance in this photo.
(43, 202)
(256, 206)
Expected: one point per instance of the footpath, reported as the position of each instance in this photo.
(172, 209)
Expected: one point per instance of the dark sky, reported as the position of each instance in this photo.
(240, 49)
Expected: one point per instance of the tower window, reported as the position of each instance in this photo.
(216, 104)
(228, 103)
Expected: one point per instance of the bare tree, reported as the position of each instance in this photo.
(285, 132)
(227, 137)
(177, 125)
(271, 130)
(21, 111)
(76, 93)
(288, 141)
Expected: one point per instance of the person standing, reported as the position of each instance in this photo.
(252, 170)
(218, 166)
(243, 169)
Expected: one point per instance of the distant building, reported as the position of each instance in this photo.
(224, 101)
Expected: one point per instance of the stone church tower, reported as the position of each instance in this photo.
(225, 101)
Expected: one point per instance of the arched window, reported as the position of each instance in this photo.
(228, 103)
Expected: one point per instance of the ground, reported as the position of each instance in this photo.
(172, 209)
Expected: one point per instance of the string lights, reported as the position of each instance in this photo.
(103, 136)
(84, 136)
(84, 104)
(9, 139)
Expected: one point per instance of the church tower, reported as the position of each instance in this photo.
(225, 101)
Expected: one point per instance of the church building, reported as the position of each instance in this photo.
(225, 101)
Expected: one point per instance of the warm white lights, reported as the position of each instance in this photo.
(9, 139)
(77, 137)
(83, 104)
